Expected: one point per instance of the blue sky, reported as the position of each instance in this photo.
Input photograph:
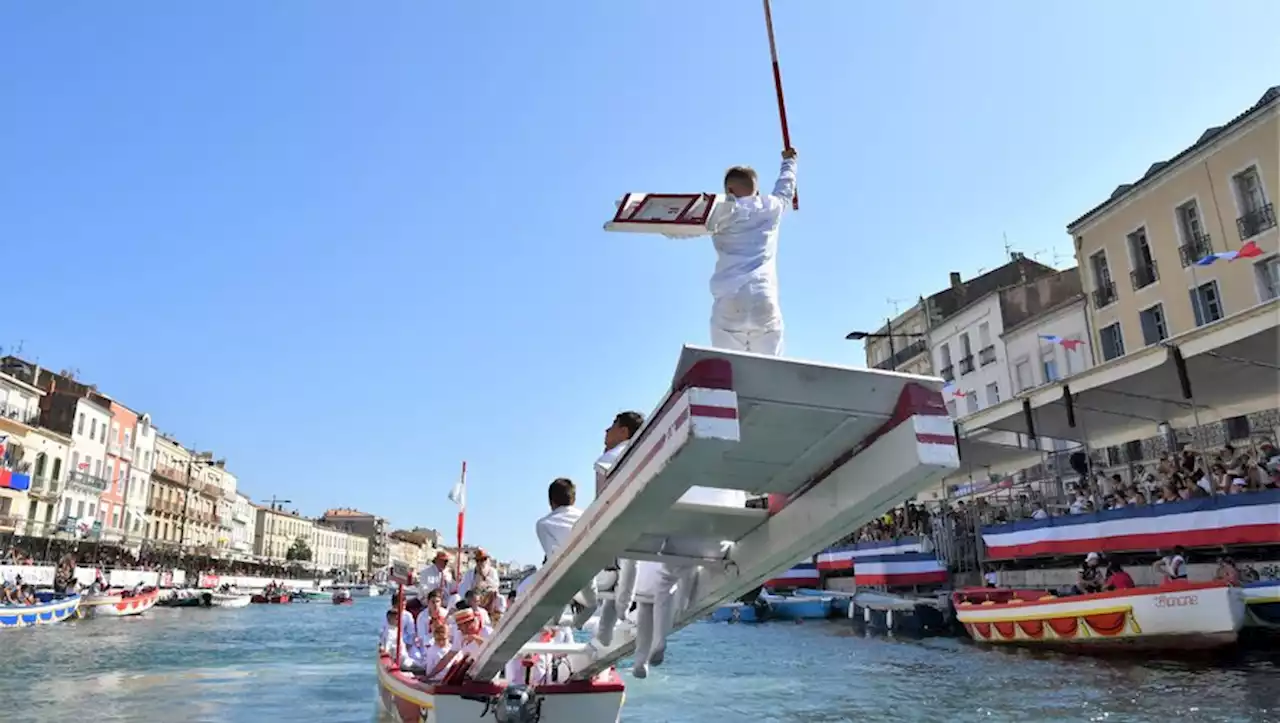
(349, 246)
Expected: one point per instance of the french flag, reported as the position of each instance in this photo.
(903, 569)
(1246, 519)
(1068, 344)
(1248, 251)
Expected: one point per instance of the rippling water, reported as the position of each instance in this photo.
(314, 662)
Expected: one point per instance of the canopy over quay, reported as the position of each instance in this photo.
(833, 446)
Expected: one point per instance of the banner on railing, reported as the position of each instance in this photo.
(843, 557)
(804, 574)
(1251, 518)
(902, 569)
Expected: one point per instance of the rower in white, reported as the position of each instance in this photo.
(483, 577)
(556, 527)
(439, 576)
(617, 583)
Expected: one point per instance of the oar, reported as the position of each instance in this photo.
(777, 84)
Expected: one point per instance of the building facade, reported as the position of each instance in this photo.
(138, 491)
(371, 527)
(87, 480)
(50, 453)
(965, 353)
(902, 343)
(167, 511)
(243, 525)
(276, 531)
(1138, 249)
(1036, 316)
(118, 462)
(19, 417)
(217, 486)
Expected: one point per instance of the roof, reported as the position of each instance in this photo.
(1155, 169)
(949, 302)
(346, 512)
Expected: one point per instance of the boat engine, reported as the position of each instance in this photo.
(517, 704)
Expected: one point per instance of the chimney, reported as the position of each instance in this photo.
(956, 283)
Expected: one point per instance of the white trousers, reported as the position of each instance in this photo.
(748, 320)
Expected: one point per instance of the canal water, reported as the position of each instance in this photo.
(314, 662)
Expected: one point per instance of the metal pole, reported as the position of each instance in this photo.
(888, 326)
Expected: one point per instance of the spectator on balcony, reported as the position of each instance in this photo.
(1227, 571)
(1089, 578)
(1173, 566)
(1117, 578)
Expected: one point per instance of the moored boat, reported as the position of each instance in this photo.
(342, 597)
(365, 591)
(119, 603)
(229, 600)
(312, 596)
(50, 609)
(1262, 600)
(769, 607)
(274, 598)
(1173, 616)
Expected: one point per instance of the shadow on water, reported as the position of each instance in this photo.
(310, 662)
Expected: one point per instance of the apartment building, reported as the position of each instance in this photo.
(277, 530)
(369, 526)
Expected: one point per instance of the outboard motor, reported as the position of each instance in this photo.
(517, 704)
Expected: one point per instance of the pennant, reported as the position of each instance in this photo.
(953, 390)
(1249, 251)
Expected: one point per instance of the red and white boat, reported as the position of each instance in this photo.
(119, 603)
(831, 446)
(1173, 616)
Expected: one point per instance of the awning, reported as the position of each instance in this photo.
(993, 451)
(1229, 362)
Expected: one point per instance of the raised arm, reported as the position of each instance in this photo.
(785, 189)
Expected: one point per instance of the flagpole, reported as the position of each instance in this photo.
(462, 511)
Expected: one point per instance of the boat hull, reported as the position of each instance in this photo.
(1186, 616)
(273, 600)
(410, 701)
(47, 612)
(1262, 600)
(777, 607)
(219, 600)
(117, 605)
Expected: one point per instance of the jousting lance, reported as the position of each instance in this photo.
(777, 84)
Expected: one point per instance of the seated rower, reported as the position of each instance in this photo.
(471, 601)
(438, 655)
(433, 613)
(466, 625)
(619, 579)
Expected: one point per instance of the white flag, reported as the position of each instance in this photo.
(458, 495)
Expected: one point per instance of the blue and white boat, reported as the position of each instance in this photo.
(778, 607)
(50, 609)
(1262, 604)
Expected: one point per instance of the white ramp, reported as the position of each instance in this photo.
(840, 444)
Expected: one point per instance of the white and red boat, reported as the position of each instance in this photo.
(1173, 616)
(119, 603)
(831, 447)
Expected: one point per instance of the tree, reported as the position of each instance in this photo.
(300, 551)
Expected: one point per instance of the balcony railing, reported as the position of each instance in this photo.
(1145, 275)
(210, 489)
(1105, 294)
(87, 481)
(19, 414)
(173, 474)
(987, 355)
(1256, 221)
(966, 364)
(113, 447)
(904, 355)
(947, 373)
(1198, 247)
(126, 453)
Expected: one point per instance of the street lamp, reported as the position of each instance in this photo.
(889, 334)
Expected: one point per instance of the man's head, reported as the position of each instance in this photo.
(442, 559)
(472, 598)
(561, 493)
(434, 597)
(624, 427)
(740, 181)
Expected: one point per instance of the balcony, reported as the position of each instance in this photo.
(1197, 248)
(209, 489)
(987, 355)
(1104, 295)
(26, 416)
(113, 448)
(172, 474)
(1255, 222)
(1145, 275)
(902, 356)
(966, 364)
(126, 453)
(947, 373)
(88, 482)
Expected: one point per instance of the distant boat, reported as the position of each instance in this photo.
(50, 609)
(119, 603)
(229, 600)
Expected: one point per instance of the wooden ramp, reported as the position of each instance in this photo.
(837, 446)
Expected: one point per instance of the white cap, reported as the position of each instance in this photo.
(1091, 557)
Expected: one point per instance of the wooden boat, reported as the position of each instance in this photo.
(831, 446)
(342, 597)
(1173, 616)
(312, 596)
(769, 607)
(275, 598)
(229, 600)
(50, 609)
(1262, 601)
(119, 603)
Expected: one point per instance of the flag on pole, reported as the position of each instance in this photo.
(953, 390)
(458, 496)
(1250, 250)
(1068, 344)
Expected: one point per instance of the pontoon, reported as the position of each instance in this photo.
(831, 446)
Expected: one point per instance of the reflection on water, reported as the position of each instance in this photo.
(307, 662)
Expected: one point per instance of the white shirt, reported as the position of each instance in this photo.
(606, 462)
(469, 581)
(554, 529)
(432, 655)
(433, 578)
(1039, 514)
(455, 635)
(745, 235)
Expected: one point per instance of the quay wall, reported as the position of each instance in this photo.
(1066, 576)
(42, 575)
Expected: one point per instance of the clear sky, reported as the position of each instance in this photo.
(349, 245)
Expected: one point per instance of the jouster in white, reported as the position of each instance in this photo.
(439, 576)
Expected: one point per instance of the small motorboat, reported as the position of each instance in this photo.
(1262, 599)
(768, 606)
(342, 596)
(312, 596)
(50, 608)
(119, 603)
(275, 598)
(1173, 616)
(229, 599)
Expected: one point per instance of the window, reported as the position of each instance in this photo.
(75, 461)
(115, 519)
(944, 363)
(1050, 370)
(1195, 242)
(80, 424)
(66, 508)
(971, 401)
(966, 354)
(1022, 375)
(1154, 329)
(1206, 303)
(1268, 273)
(97, 468)
(1144, 267)
(128, 438)
(1104, 291)
(1256, 215)
(93, 428)
(1112, 341)
(103, 439)
(115, 432)
(993, 394)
